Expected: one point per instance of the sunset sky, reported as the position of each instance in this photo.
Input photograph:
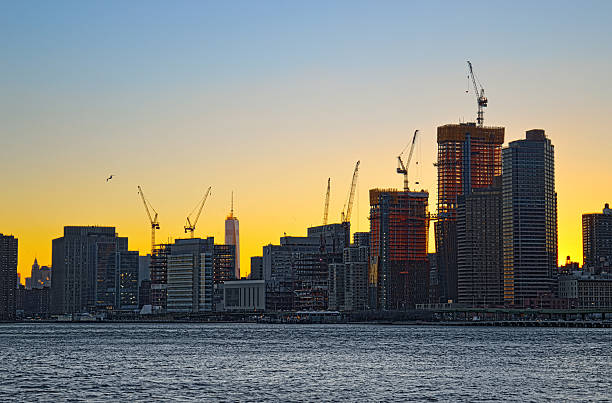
(269, 99)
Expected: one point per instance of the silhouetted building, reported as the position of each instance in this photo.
(529, 218)
(8, 276)
(597, 240)
(33, 303)
(348, 281)
(256, 268)
(244, 295)
(479, 247)
(93, 270)
(159, 276)
(399, 226)
(232, 237)
(39, 276)
(469, 157)
(144, 293)
(144, 268)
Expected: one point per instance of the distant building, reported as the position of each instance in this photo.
(232, 237)
(399, 227)
(348, 281)
(39, 276)
(159, 276)
(144, 293)
(196, 271)
(586, 290)
(597, 240)
(144, 268)
(33, 303)
(256, 268)
(244, 295)
(93, 270)
(469, 157)
(529, 218)
(479, 247)
(8, 277)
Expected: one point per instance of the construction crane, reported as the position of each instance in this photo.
(191, 222)
(403, 169)
(480, 95)
(326, 208)
(152, 220)
(345, 216)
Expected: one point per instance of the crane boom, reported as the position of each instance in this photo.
(346, 216)
(190, 227)
(403, 169)
(152, 220)
(326, 208)
(481, 99)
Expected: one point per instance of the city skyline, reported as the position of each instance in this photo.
(81, 105)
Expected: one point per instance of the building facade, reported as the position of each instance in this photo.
(480, 280)
(232, 237)
(8, 277)
(529, 218)
(92, 266)
(244, 296)
(469, 157)
(597, 240)
(399, 228)
(586, 290)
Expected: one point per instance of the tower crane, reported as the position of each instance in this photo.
(480, 95)
(403, 169)
(326, 208)
(152, 220)
(191, 222)
(346, 214)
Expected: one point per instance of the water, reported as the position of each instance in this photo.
(254, 362)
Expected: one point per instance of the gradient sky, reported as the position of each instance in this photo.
(269, 99)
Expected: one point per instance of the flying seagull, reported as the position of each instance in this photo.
(109, 178)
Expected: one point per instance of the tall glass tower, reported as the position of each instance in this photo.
(529, 218)
(232, 235)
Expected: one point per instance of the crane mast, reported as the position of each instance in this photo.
(481, 99)
(403, 169)
(346, 215)
(191, 223)
(326, 208)
(152, 219)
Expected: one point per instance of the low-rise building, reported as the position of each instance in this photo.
(586, 290)
(244, 295)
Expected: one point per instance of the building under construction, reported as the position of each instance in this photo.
(399, 268)
(469, 157)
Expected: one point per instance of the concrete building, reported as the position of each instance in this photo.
(597, 240)
(586, 290)
(244, 296)
(8, 277)
(469, 157)
(159, 277)
(196, 271)
(348, 281)
(399, 227)
(529, 218)
(93, 270)
(256, 268)
(480, 279)
(232, 237)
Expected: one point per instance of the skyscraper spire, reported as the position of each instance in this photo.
(232, 236)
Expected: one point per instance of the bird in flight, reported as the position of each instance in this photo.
(109, 178)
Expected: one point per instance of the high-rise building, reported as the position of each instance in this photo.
(40, 276)
(232, 237)
(529, 218)
(8, 277)
(469, 157)
(159, 276)
(348, 281)
(399, 226)
(597, 240)
(479, 247)
(196, 271)
(92, 268)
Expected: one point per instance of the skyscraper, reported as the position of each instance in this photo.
(92, 267)
(529, 218)
(597, 240)
(469, 157)
(399, 227)
(479, 247)
(8, 276)
(232, 236)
